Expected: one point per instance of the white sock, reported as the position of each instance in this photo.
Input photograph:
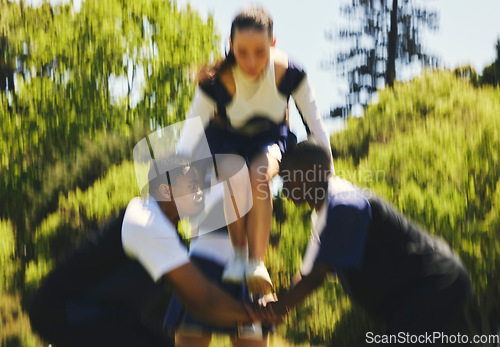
(241, 253)
(255, 261)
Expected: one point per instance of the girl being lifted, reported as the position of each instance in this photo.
(242, 102)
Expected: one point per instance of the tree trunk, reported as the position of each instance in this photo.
(390, 73)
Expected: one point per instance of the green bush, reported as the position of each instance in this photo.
(7, 252)
(78, 214)
(436, 139)
(15, 328)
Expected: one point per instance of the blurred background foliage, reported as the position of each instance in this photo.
(79, 89)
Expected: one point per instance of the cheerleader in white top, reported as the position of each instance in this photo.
(242, 102)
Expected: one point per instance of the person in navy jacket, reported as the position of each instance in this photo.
(385, 263)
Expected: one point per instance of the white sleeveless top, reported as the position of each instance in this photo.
(259, 97)
(255, 98)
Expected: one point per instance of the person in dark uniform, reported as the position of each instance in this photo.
(385, 263)
(96, 297)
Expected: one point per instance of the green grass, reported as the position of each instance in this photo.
(274, 341)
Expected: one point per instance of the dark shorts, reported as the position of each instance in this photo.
(225, 140)
(64, 317)
(409, 277)
(177, 316)
(430, 307)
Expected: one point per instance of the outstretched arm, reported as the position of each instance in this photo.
(301, 290)
(205, 300)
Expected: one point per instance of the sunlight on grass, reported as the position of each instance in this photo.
(274, 341)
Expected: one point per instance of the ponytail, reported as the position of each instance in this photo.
(209, 73)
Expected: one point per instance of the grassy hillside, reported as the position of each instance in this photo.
(430, 146)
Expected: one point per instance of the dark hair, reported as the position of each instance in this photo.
(306, 155)
(251, 18)
(166, 170)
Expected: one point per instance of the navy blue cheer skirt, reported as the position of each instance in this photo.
(253, 138)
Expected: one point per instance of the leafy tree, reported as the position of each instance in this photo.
(467, 73)
(491, 73)
(56, 108)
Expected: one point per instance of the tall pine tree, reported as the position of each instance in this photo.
(378, 36)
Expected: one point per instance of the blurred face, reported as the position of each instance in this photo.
(304, 187)
(295, 191)
(187, 194)
(251, 50)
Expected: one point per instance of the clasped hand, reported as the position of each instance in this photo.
(268, 310)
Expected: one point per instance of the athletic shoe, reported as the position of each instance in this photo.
(257, 277)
